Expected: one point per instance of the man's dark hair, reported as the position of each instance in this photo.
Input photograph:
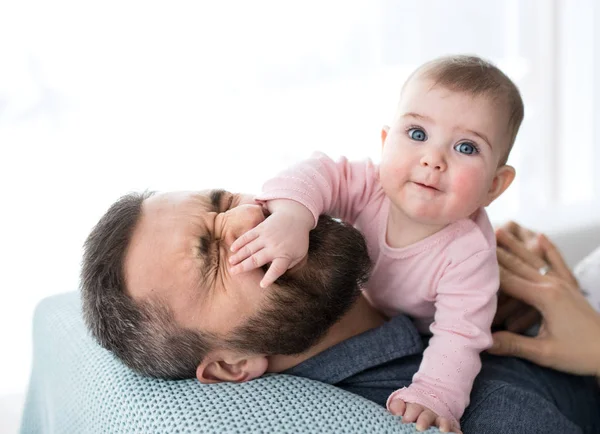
(144, 334)
(313, 298)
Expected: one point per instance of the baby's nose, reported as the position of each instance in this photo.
(434, 159)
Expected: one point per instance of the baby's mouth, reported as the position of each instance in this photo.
(429, 187)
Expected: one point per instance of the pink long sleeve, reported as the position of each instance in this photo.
(341, 189)
(464, 308)
(447, 282)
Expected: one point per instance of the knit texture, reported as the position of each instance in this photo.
(78, 387)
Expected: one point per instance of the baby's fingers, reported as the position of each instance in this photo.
(426, 419)
(445, 425)
(397, 407)
(276, 269)
(257, 259)
(248, 236)
(246, 252)
(412, 412)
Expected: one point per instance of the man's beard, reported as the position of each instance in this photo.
(309, 300)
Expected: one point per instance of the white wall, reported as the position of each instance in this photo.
(98, 99)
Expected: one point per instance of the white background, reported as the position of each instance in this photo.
(101, 98)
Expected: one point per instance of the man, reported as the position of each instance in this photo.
(157, 291)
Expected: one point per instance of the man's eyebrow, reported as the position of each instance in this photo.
(206, 240)
(215, 199)
(204, 244)
(206, 255)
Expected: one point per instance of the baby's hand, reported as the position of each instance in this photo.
(282, 240)
(420, 414)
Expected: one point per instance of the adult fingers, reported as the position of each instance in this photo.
(521, 288)
(516, 265)
(518, 248)
(522, 320)
(556, 261)
(533, 245)
(514, 315)
(507, 306)
(511, 344)
(510, 227)
(276, 269)
(521, 233)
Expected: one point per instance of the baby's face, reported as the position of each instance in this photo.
(441, 155)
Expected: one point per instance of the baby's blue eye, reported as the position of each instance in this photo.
(466, 148)
(417, 134)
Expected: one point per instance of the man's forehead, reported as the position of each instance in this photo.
(170, 227)
(177, 199)
(161, 242)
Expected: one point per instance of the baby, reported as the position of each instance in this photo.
(422, 213)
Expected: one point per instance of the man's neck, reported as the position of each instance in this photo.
(360, 318)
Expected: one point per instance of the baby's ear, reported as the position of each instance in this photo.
(226, 366)
(502, 179)
(384, 133)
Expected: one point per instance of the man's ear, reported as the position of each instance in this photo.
(384, 133)
(502, 179)
(228, 366)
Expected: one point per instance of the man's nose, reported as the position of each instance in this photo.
(434, 158)
(241, 219)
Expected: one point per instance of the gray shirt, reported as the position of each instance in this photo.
(509, 395)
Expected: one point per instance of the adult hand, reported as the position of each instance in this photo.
(569, 336)
(282, 240)
(512, 314)
(529, 238)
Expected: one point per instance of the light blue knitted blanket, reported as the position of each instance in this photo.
(78, 387)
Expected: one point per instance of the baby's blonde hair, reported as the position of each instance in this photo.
(477, 76)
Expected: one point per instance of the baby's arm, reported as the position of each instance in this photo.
(318, 185)
(339, 188)
(465, 305)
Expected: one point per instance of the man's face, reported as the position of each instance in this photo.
(179, 253)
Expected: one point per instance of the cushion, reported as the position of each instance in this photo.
(78, 387)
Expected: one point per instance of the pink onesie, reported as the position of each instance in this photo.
(447, 282)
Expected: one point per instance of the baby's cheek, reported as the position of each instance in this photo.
(394, 168)
(387, 173)
(471, 184)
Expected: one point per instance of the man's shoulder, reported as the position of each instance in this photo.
(396, 339)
